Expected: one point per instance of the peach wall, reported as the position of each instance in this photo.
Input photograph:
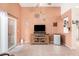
(28, 20)
(13, 9)
(68, 39)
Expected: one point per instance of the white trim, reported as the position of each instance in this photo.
(15, 20)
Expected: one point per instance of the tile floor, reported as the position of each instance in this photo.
(43, 50)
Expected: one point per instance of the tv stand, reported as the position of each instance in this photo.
(39, 38)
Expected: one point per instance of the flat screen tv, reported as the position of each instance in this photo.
(39, 27)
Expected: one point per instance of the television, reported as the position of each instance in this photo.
(39, 28)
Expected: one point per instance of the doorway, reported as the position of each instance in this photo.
(12, 28)
(75, 34)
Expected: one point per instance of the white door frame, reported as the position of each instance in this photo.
(15, 36)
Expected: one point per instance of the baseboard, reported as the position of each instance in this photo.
(70, 47)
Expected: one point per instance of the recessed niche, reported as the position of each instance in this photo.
(55, 24)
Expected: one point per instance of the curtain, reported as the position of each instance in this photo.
(3, 31)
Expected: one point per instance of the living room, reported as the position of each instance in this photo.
(38, 25)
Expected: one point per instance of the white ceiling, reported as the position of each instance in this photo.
(39, 4)
(49, 4)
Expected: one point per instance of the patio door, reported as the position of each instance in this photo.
(11, 32)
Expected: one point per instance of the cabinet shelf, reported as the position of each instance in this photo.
(39, 39)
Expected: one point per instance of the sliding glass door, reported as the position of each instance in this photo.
(11, 32)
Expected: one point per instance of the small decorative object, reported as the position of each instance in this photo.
(66, 29)
(37, 15)
(69, 28)
(49, 3)
(40, 15)
(65, 22)
(55, 24)
(75, 22)
(44, 19)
